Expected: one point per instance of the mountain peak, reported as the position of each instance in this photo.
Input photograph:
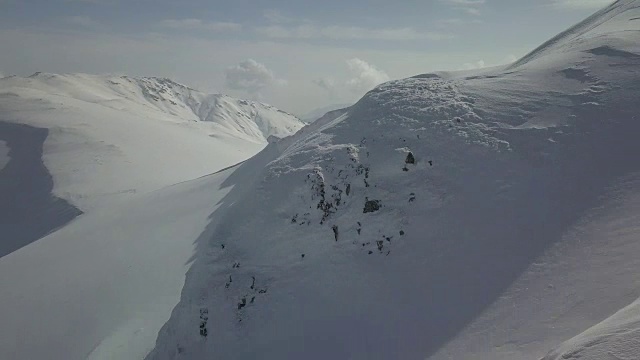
(612, 25)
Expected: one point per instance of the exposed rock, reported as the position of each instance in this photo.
(410, 159)
(371, 206)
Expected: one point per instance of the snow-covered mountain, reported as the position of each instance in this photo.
(491, 215)
(479, 215)
(156, 131)
(95, 231)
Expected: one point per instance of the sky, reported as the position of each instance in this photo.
(298, 55)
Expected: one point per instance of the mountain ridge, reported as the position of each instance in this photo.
(102, 126)
(436, 218)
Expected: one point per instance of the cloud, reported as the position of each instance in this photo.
(309, 31)
(581, 4)
(466, 2)
(510, 59)
(1, 74)
(251, 77)
(469, 10)
(281, 26)
(470, 7)
(88, 1)
(326, 83)
(474, 65)
(84, 21)
(197, 24)
(457, 22)
(364, 76)
(277, 17)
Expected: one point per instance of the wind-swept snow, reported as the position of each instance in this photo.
(615, 338)
(486, 215)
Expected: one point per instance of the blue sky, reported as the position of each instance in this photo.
(297, 55)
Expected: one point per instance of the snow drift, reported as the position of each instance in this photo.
(445, 216)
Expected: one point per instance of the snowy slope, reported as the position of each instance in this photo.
(153, 130)
(614, 338)
(106, 152)
(513, 230)
(102, 286)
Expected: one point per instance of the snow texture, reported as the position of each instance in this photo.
(509, 233)
(110, 136)
(512, 231)
(96, 224)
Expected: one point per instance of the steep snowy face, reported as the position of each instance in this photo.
(614, 338)
(251, 119)
(611, 27)
(437, 218)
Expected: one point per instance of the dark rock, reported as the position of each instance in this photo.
(242, 303)
(410, 159)
(371, 206)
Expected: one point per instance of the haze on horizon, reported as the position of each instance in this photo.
(296, 55)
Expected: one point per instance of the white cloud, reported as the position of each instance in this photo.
(581, 4)
(457, 22)
(326, 83)
(84, 21)
(470, 7)
(88, 1)
(364, 76)
(509, 59)
(469, 10)
(277, 17)
(474, 65)
(251, 77)
(308, 31)
(197, 24)
(466, 2)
